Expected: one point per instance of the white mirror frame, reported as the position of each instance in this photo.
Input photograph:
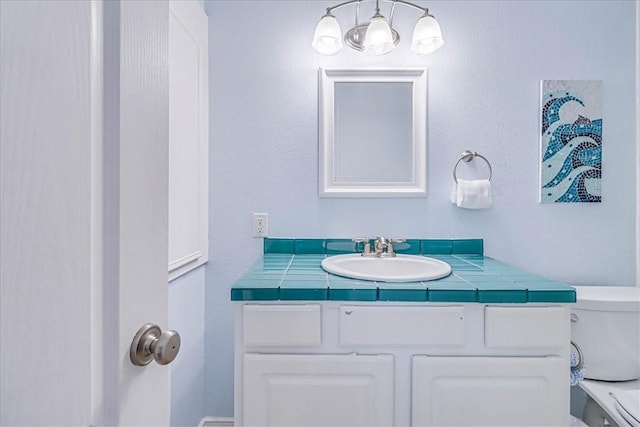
(328, 185)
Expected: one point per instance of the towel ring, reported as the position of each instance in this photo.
(574, 319)
(467, 156)
(580, 357)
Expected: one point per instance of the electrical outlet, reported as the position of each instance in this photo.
(260, 225)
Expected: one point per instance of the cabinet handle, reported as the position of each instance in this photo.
(348, 312)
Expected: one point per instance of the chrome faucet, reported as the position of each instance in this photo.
(382, 247)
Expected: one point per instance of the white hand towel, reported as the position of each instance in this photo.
(472, 194)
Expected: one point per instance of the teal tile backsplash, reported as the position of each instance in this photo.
(468, 246)
(341, 246)
(345, 246)
(436, 247)
(309, 246)
(409, 247)
(279, 246)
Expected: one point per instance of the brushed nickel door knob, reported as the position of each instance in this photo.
(151, 343)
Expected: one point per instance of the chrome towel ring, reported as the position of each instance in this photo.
(467, 156)
(580, 357)
(580, 364)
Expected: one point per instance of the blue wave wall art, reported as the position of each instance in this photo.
(571, 141)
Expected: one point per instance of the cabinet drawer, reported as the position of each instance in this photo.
(526, 327)
(444, 326)
(282, 325)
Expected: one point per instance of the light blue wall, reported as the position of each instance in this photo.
(483, 95)
(186, 315)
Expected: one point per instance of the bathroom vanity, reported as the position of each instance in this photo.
(486, 345)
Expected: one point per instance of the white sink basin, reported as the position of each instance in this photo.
(401, 268)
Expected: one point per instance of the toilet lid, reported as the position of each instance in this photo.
(627, 417)
(628, 405)
(608, 298)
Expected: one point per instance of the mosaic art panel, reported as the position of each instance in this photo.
(571, 141)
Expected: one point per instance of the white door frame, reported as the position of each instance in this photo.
(637, 163)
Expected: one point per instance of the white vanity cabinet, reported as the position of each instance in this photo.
(336, 363)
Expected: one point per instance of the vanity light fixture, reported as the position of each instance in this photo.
(377, 37)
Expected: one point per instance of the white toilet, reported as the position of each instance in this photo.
(606, 328)
(576, 422)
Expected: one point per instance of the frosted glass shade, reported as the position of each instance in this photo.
(427, 36)
(327, 39)
(378, 39)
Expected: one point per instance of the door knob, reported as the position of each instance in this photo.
(151, 343)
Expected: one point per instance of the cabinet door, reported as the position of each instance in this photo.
(318, 390)
(490, 391)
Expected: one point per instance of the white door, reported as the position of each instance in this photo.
(83, 203)
(489, 391)
(318, 390)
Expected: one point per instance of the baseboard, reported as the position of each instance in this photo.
(216, 422)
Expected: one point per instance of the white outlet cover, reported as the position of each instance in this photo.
(260, 224)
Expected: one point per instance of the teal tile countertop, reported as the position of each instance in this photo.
(290, 271)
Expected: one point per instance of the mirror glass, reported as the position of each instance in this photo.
(361, 140)
(373, 133)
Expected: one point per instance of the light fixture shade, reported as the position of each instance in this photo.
(427, 36)
(327, 39)
(378, 39)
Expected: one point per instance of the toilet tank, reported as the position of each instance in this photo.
(606, 327)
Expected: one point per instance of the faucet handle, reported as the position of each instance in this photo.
(390, 241)
(367, 244)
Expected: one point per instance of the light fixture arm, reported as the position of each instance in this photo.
(425, 10)
(393, 8)
(346, 3)
(406, 3)
(338, 6)
(377, 13)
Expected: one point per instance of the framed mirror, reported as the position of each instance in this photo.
(373, 132)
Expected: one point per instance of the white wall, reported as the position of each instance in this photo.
(483, 95)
